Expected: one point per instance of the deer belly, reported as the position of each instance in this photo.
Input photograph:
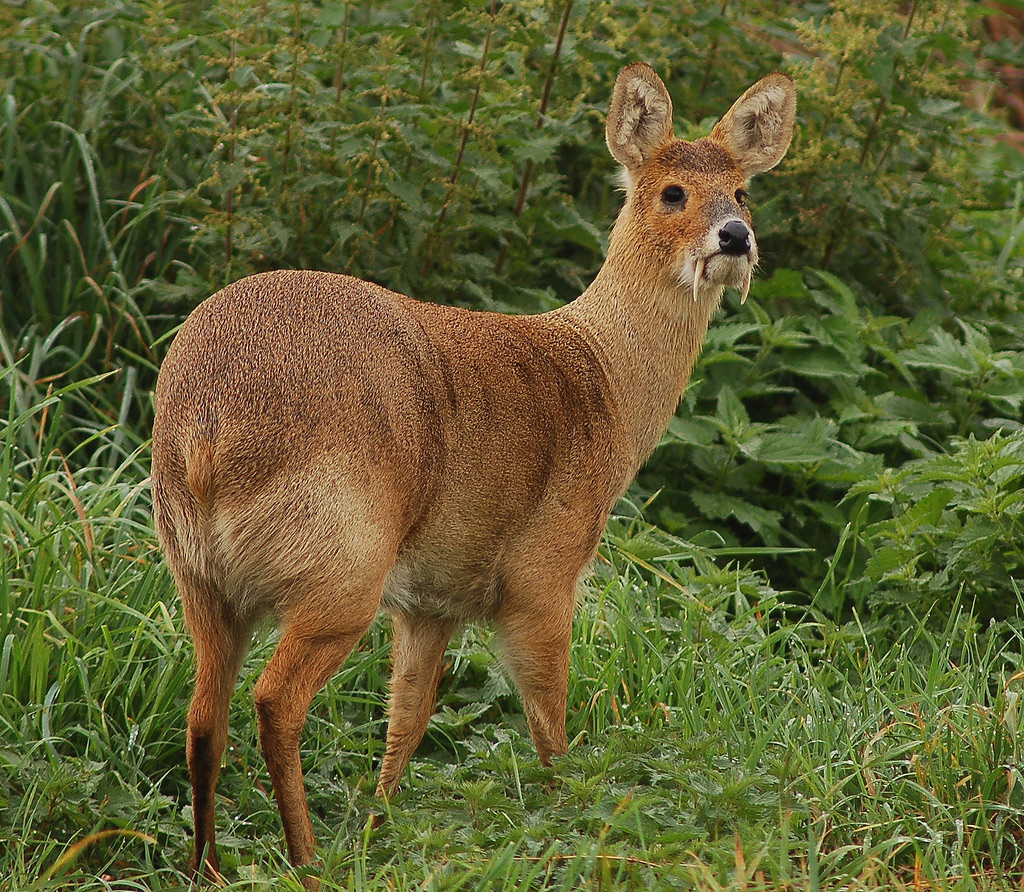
(462, 587)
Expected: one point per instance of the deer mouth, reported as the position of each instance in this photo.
(721, 269)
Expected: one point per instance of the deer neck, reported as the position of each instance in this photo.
(648, 330)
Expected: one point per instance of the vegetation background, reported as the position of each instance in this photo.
(799, 660)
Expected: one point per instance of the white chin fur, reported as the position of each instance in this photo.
(707, 276)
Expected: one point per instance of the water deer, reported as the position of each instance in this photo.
(325, 448)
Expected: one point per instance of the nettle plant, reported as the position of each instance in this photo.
(887, 174)
(454, 152)
(410, 143)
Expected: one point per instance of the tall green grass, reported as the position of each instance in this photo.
(721, 737)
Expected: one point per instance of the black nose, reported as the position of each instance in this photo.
(734, 238)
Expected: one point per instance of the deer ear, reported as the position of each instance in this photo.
(758, 127)
(640, 116)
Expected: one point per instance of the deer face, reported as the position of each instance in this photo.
(687, 200)
(691, 198)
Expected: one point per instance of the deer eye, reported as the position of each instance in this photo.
(674, 195)
(741, 197)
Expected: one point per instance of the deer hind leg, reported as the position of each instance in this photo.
(535, 633)
(417, 654)
(315, 643)
(220, 644)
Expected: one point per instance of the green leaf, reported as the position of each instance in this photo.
(730, 410)
(946, 354)
(691, 431)
(719, 506)
(820, 362)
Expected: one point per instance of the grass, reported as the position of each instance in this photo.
(721, 738)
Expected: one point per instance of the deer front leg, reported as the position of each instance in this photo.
(535, 635)
(417, 654)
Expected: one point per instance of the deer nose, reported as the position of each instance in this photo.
(734, 238)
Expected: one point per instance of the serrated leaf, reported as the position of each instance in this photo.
(819, 362)
(946, 354)
(730, 410)
(783, 283)
(692, 431)
(719, 506)
(928, 511)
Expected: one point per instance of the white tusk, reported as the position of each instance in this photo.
(698, 271)
(746, 286)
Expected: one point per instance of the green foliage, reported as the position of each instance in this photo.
(849, 451)
(886, 170)
(720, 738)
(793, 417)
(956, 531)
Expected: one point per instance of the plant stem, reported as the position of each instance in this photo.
(524, 183)
(466, 127)
(293, 79)
(339, 71)
(428, 52)
(373, 151)
(544, 101)
(883, 104)
(712, 53)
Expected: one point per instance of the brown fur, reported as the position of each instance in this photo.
(324, 447)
